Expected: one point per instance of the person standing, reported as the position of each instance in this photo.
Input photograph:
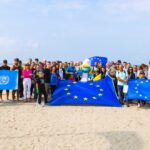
(131, 74)
(61, 72)
(40, 85)
(17, 67)
(47, 78)
(122, 79)
(141, 76)
(4, 67)
(27, 75)
(53, 80)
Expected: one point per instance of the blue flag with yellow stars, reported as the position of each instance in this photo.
(100, 92)
(139, 90)
(98, 59)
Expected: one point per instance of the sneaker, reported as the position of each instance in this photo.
(139, 105)
(22, 99)
(43, 105)
(38, 104)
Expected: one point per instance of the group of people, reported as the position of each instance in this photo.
(121, 73)
(37, 78)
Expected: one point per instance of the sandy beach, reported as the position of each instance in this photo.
(26, 126)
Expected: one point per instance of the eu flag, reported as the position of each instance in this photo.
(8, 80)
(97, 59)
(139, 90)
(100, 92)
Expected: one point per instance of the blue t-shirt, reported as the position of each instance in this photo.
(53, 79)
(71, 69)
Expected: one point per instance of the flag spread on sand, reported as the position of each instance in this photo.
(97, 59)
(8, 80)
(139, 90)
(85, 93)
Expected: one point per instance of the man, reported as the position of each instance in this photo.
(112, 73)
(40, 84)
(47, 78)
(36, 61)
(30, 61)
(4, 67)
(122, 79)
(70, 70)
(17, 67)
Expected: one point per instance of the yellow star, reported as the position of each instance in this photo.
(68, 93)
(94, 97)
(75, 97)
(101, 90)
(100, 94)
(85, 99)
(68, 85)
(66, 89)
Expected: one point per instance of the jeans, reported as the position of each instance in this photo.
(120, 94)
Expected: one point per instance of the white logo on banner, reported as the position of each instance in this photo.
(4, 80)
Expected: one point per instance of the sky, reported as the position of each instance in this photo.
(75, 29)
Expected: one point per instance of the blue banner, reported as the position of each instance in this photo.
(8, 80)
(90, 93)
(139, 90)
(97, 59)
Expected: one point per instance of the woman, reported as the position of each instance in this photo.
(131, 74)
(53, 79)
(27, 75)
(103, 71)
(141, 76)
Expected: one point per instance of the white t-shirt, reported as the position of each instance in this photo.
(122, 75)
(61, 74)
